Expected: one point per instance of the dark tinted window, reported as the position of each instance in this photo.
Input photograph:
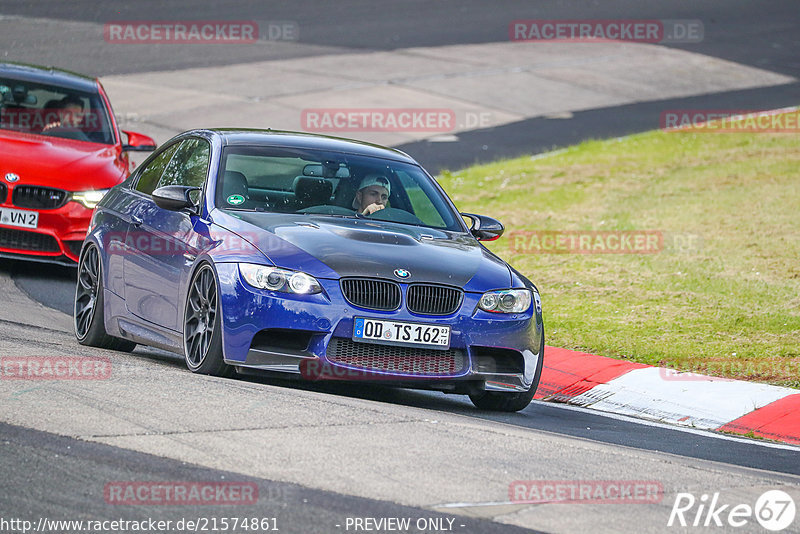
(152, 173)
(35, 108)
(317, 182)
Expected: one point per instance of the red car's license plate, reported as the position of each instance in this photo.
(20, 218)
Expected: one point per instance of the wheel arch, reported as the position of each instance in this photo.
(199, 263)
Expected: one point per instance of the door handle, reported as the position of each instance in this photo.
(136, 221)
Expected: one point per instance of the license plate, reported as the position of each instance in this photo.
(401, 333)
(20, 218)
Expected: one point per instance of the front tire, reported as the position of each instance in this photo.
(497, 401)
(202, 330)
(88, 308)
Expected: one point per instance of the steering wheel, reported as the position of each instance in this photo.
(395, 215)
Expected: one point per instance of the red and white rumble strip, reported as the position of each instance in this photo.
(665, 395)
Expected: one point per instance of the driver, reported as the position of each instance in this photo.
(372, 194)
(70, 113)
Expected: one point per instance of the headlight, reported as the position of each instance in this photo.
(89, 198)
(506, 301)
(276, 279)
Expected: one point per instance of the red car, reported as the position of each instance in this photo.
(60, 151)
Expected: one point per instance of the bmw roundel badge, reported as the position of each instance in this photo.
(402, 273)
(11, 177)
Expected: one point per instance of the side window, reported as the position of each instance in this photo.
(151, 174)
(189, 166)
(421, 202)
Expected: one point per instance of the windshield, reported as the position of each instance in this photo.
(331, 183)
(34, 108)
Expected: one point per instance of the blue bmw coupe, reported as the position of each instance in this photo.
(309, 256)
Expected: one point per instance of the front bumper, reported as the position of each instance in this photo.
(57, 238)
(281, 332)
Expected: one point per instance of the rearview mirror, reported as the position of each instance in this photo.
(484, 228)
(332, 170)
(174, 197)
(138, 142)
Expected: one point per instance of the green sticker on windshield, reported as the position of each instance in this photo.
(235, 200)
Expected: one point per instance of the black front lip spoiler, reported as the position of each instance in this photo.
(63, 260)
(288, 363)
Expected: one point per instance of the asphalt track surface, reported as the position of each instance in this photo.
(764, 34)
(761, 34)
(55, 285)
(568, 421)
(78, 477)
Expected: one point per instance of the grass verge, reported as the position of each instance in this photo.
(721, 295)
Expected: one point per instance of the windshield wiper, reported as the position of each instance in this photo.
(337, 215)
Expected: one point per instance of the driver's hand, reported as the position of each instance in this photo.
(372, 208)
(52, 125)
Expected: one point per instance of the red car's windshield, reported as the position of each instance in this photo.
(30, 107)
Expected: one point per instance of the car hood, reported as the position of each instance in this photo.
(329, 247)
(61, 163)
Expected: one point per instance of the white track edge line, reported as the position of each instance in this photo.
(658, 424)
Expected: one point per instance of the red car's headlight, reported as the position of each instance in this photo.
(89, 199)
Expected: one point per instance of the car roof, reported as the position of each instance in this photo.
(49, 76)
(245, 137)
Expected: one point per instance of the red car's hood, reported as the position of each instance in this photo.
(60, 163)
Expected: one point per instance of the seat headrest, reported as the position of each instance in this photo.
(312, 191)
(234, 183)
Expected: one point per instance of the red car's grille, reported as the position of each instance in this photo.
(74, 247)
(40, 198)
(23, 240)
(400, 360)
(3, 192)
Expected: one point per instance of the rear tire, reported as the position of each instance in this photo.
(88, 308)
(497, 401)
(202, 330)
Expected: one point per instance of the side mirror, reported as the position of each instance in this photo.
(174, 197)
(484, 228)
(138, 142)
